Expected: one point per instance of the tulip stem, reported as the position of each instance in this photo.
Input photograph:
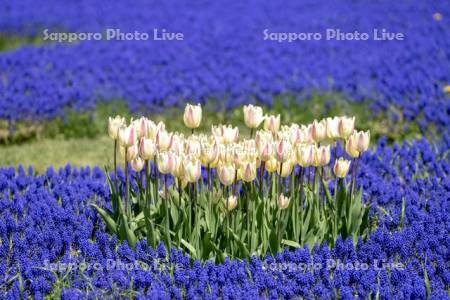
(209, 178)
(180, 191)
(314, 179)
(321, 187)
(147, 182)
(156, 182)
(192, 201)
(354, 170)
(166, 204)
(165, 187)
(261, 179)
(309, 176)
(235, 182)
(302, 173)
(251, 132)
(247, 215)
(127, 183)
(115, 161)
(280, 183)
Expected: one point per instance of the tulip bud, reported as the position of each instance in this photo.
(351, 146)
(192, 116)
(247, 171)
(363, 140)
(318, 131)
(283, 201)
(253, 116)
(341, 167)
(332, 128)
(147, 149)
(137, 164)
(230, 202)
(163, 140)
(272, 123)
(346, 126)
(127, 136)
(113, 126)
(284, 150)
(192, 169)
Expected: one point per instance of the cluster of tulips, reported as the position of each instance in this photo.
(279, 170)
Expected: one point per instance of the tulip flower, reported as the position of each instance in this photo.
(192, 116)
(230, 202)
(272, 123)
(351, 146)
(272, 165)
(362, 141)
(152, 129)
(141, 127)
(247, 171)
(341, 167)
(346, 126)
(295, 134)
(127, 136)
(306, 134)
(332, 128)
(193, 147)
(230, 134)
(305, 155)
(192, 169)
(253, 116)
(166, 162)
(137, 164)
(147, 149)
(265, 150)
(177, 167)
(318, 131)
(162, 140)
(263, 136)
(283, 150)
(283, 201)
(177, 143)
(209, 153)
(113, 126)
(322, 156)
(226, 173)
(286, 168)
(132, 152)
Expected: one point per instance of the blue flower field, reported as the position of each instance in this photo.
(98, 232)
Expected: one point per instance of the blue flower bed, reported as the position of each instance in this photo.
(46, 220)
(224, 56)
